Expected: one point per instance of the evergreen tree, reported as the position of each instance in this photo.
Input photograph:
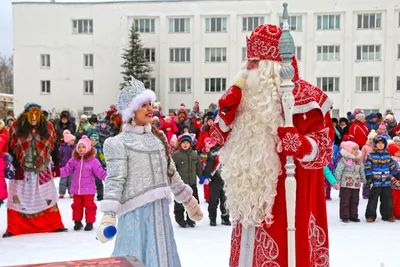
(135, 64)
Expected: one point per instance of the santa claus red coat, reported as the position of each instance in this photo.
(266, 245)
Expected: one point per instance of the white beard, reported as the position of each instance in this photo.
(250, 155)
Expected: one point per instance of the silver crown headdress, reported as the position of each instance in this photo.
(132, 89)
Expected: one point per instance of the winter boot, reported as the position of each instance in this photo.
(355, 220)
(392, 219)
(99, 197)
(89, 227)
(7, 234)
(213, 222)
(61, 196)
(370, 220)
(345, 220)
(1, 203)
(225, 220)
(182, 223)
(398, 218)
(78, 225)
(191, 223)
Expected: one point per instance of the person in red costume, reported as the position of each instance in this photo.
(169, 127)
(254, 149)
(358, 129)
(32, 197)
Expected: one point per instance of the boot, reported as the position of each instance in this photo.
(1, 203)
(225, 220)
(370, 220)
(61, 196)
(78, 225)
(89, 227)
(213, 222)
(7, 234)
(392, 219)
(182, 223)
(398, 218)
(355, 220)
(99, 197)
(345, 220)
(191, 223)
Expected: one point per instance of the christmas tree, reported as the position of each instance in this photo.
(135, 64)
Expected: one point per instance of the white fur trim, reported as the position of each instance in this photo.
(222, 125)
(314, 152)
(348, 155)
(146, 95)
(184, 195)
(137, 202)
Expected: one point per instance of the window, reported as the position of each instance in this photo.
(179, 54)
(88, 87)
(369, 21)
(295, 23)
(297, 52)
(216, 24)
(179, 25)
(244, 53)
(150, 84)
(250, 23)
(215, 54)
(150, 54)
(45, 61)
(215, 85)
(398, 51)
(45, 87)
(367, 84)
(88, 60)
(398, 83)
(328, 22)
(145, 25)
(368, 52)
(335, 113)
(82, 26)
(369, 111)
(180, 85)
(328, 84)
(328, 53)
(88, 111)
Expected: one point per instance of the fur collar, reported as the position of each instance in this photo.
(127, 127)
(91, 154)
(348, 155)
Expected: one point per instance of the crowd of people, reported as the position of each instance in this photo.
(367, 155)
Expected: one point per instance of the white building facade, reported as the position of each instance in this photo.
(68, 55)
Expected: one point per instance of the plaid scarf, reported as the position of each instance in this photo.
(44, 145)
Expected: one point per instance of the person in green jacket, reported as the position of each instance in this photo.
(188, 166)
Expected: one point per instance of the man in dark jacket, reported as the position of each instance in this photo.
(104, 131)
(372, 122)
(188, 166)
(65, 123)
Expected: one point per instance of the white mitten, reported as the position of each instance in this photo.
(193, 209)
(106, 230)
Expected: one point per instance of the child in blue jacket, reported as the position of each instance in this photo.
(380, 171)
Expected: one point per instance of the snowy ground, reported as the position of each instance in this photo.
(352, 245)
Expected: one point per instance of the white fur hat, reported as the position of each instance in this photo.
(132, 96)
(389, 117)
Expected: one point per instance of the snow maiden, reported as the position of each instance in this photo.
(140, 178)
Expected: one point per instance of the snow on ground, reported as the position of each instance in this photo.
(353, 244)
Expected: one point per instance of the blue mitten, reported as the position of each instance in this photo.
(202, 179)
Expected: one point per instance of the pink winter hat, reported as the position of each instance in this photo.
(68, 136)
(86, 142)
(348, 145)
(382, 126)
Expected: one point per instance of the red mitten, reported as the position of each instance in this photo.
(228, 104)
(19, 174)
(218, 135)
(293, 143)
(56, 170)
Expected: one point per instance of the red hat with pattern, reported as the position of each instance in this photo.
(263, 43)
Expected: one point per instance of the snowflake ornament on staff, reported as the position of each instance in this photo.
(286, 48)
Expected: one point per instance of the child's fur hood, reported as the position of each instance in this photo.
(91, 154)
(348, 155)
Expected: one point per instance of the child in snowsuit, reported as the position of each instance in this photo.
(173, 145)
(4, 159)
(65, 151)
(394, 150)
(95, 142)
(217, 192)
(380, 171)
(83, 166)
(366, 149)
(350, 174)
(188, 166)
